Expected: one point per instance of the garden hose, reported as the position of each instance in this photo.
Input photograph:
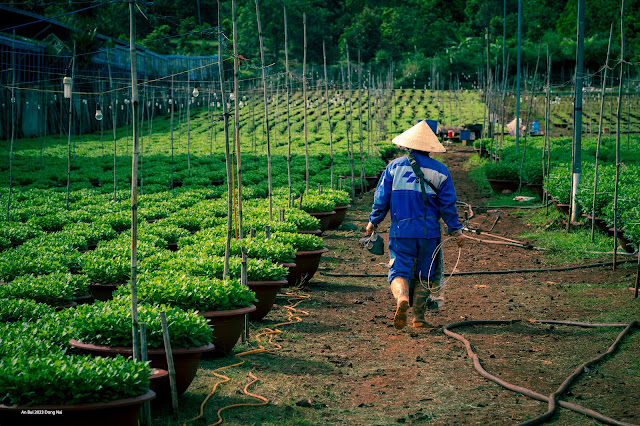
(552, 399)
(294, 316)
(498, 272)
(433, 259)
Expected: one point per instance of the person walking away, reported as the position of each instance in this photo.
(418, 191)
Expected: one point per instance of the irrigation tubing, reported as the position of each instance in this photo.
(500, 272)
(295, 316)
(552, 399)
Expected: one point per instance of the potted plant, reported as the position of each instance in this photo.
(341, 200)
(54, 290)
(559, 187)
(108, 333)
(503, 176)
(109, 265)
(39, 375)
(265, 278)
(13, 310)
(533, 176)
(320, 207)
(74, 390)
(309, 251)
(224, 303)
(208, 243)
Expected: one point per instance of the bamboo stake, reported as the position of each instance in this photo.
(253, 127)
(304, 100)
(595, 176)
(101, 121)
(172, 103)
(170, 364)
(350, 139)
(134, 183)
(346, 120)
(146, 406)
(532, 93)
(244, 282)
(227, 152)
(13, 121)
(618, 113)
(288, 83)
(326, 95)
(266, 112)
(73, 67)
(370, 123)
(547, 139)
(276, 119)
(362, 175)
(114, 120)
(141, 162)
(236, 124)
(188, 99)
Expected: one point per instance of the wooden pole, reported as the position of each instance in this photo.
(547, 138)
(266, 112)
(172, 102)
(170, 364)
(236, 123)
(363, 181)
(288, 83)
(73, 67)
(188, 99)
(114, 120)
(146, 406)
(350, 129)
(227, 152)
(595, 176)
(134, 182)
(304, 100)
(532, 93)
(326, 95)
(618, 113)
(577, 117)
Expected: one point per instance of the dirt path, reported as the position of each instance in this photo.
(389, 376)
(346, 364)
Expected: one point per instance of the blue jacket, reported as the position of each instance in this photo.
(399, 191)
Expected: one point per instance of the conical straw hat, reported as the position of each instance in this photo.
(420, 137)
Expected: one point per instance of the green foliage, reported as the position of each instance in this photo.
(301, 242)
(313, 203)
(12, 310)
(213, 267)
(92, 233)
(559, 185)
(191, 292)
(532, 172)
(109, 323)
(33, 339)
(208, 243)
(110, 262)
(18, 232)
(502, 170)
(54, 290)
(70, 379)
(339, 198)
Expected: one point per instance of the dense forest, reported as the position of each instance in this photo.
(418, 38)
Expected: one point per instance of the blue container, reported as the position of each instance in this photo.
(535, 127)
(465, 135)
(433, 124)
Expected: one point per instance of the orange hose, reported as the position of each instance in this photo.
(294, 316)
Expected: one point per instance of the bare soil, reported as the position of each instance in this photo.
(346, 364)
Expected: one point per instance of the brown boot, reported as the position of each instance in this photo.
(420, 297)
(400, 290)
